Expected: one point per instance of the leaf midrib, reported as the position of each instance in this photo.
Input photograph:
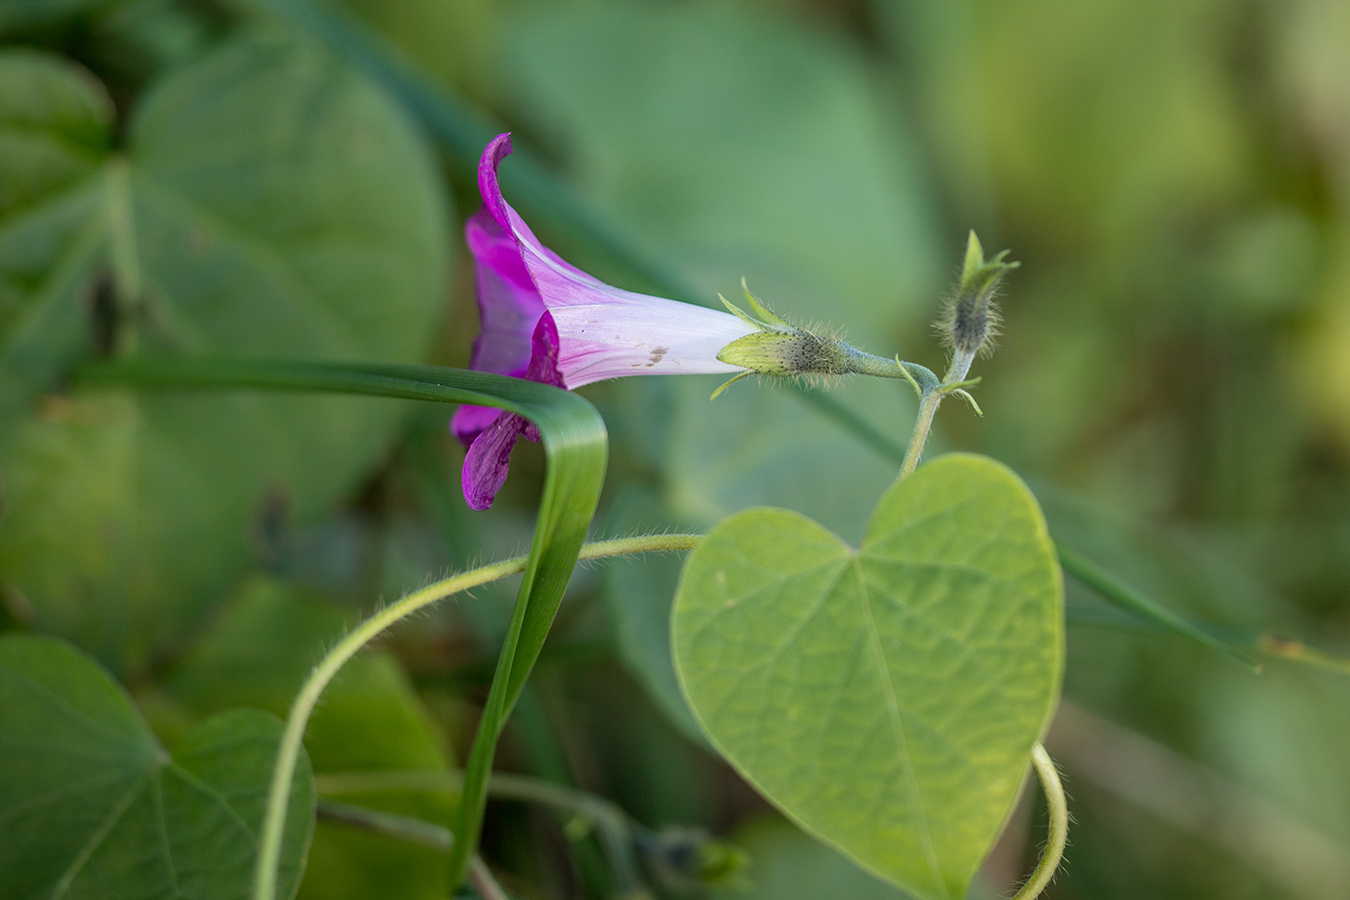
(898, 729)
(100, 834)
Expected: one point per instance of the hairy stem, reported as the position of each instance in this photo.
(860, 363)
(269, 852)
(929, 401)
(923, 423)
(1059, 825)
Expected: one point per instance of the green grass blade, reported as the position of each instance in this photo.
(1126, 598)
(575, 446)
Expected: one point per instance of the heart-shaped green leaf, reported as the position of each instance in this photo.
(886, 698)
(92, 806)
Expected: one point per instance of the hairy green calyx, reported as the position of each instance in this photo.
(777, 348)
(969, 321)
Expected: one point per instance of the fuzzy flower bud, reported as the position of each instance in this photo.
(969, 321)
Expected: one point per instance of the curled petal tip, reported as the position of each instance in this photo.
(497, 150)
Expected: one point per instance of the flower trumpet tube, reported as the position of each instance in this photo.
(548, 321)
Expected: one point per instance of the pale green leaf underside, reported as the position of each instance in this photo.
(92, 807)
(886, 698)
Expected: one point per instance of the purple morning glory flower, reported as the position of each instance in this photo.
(550, 322)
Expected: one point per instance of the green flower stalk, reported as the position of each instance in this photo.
(968, 325)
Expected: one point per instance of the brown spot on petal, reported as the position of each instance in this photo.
(658, 353)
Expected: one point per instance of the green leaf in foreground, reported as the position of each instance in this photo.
(92, 806)
(886, 698)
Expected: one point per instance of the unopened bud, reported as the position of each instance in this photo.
(969, 321)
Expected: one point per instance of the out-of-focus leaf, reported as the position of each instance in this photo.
(61, 541)
(93, 807)
(639, 593)
(738, 143)
(887, 697)
(55, 131)
(55, 118)
(260, 651)
(23, 15)
(272, 203)
(757, 444)
(788, 864)
(55, 127)
(136, 41)
(1121, 112)
(449, 41)
(461, 133)
(370, 721)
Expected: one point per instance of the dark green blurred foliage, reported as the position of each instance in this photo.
(190, 175)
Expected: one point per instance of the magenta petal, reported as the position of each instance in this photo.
(511, 224)
(489, 459)
(496, 150)
(607, 332)
(548, 321)
(544, 353)
(469, 422)
(509, 306)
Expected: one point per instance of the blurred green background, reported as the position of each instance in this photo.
(1173, 381)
